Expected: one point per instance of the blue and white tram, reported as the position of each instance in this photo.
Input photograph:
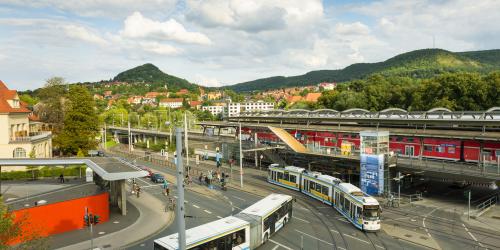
(288, 176)
(362, 210)
(359, 208)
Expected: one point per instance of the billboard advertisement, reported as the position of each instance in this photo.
(372, 174)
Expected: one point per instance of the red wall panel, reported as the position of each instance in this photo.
(63, 216)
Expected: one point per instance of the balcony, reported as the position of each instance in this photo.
(33, 136)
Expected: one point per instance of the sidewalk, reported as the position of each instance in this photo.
(152, 219)
(489, 220)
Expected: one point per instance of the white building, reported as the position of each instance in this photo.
(21, 136)
(215, 110)
(234, 109)
(171, 103)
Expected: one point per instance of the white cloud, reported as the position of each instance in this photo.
(254, 15)
(105, 8)
(356, 28)
(138, 26)
(206, 81)
(158, 48)
(84, 34)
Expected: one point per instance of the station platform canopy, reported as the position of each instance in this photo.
(109, 168)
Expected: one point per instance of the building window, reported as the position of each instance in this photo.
(19, 153)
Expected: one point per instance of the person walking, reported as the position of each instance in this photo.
(138, 190)
(61, 178)
(166, 188)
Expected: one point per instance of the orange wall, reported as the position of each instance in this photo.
(64, 216)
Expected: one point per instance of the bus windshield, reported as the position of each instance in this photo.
(371, 214)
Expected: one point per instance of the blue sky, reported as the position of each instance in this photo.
(219, 42)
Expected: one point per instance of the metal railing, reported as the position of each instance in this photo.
(32, 136)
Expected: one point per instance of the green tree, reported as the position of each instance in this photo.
(80, 126)
(52, 98)
(31, 101)
(11, 230)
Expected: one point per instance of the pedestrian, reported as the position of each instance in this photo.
(166, 188)
(200, 178)
(138, 190)
(61, 178)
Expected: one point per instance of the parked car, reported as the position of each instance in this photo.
(100, 153)
(157, 178)
(150, 172)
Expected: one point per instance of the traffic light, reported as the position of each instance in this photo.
(86, 221)
(96, 219)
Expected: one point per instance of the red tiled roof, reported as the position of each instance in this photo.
(33, 117)
(171, 100)
(7, 94)
(194, 103)
(295, 98)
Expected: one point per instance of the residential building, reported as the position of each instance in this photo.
(215, 110)
(108, 94)
(182, 92)
(134, 100)
(171, 102)
(327, 85)
(293, 99)
(214, 95)
(195, 104)
(233, 109)
(21, 134)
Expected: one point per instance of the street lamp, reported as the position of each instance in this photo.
(398, 179)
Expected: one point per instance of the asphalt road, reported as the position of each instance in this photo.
(316, 226)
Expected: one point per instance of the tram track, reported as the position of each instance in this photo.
(450, 236)
(315, 211)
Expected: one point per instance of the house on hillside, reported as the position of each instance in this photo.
(182, 92)
(108, 94)
(293, 99)
(171, 102)
(98, 97)
(21, 133)
(134, 99)
(327, 85)
(214, 95)
(195, 104)
(214, 110)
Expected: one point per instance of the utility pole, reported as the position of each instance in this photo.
(181, 226)
(241, 161)
(399, 186)
(129, 142)
(256, 155)
(468, 209)
(87, 217)
(186, 140)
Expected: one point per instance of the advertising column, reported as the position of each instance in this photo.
(373, 146)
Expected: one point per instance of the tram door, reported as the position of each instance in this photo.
(409, 151)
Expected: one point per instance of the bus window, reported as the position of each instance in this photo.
(266, 224)
(238, 238)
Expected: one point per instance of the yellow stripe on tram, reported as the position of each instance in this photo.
(288, 183)
(323, 196)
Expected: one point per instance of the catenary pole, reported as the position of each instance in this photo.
(181, 226)
(241, 161)
(186, 140)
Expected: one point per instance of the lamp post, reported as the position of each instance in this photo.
(241, 160)
(260, 162)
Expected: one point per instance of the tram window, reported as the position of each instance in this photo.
(286, 176)
(324, 190)
(347, 204)
(358, 211)
(293, 178)
(313, 186)
(280, 175)
(318, 188)
(428, 148)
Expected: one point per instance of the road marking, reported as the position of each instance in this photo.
(472, 236)
(143, 181)
(303, 208)
(295, 217)
(326, 242)
(220, 217)
(185, 201)
(279, 244)
(208, 212)
(194, 205)
(152, 185)
(423, 221)
(348, 235)
(323, 207)
(275, 247)
(343, 220)
(236, 197)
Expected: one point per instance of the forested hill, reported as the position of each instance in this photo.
(149, 73)
(423, 63)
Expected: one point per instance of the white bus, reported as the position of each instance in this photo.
(246, 230)
(266, 217)
(229, 233)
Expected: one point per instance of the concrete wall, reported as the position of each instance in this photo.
(63, 216)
